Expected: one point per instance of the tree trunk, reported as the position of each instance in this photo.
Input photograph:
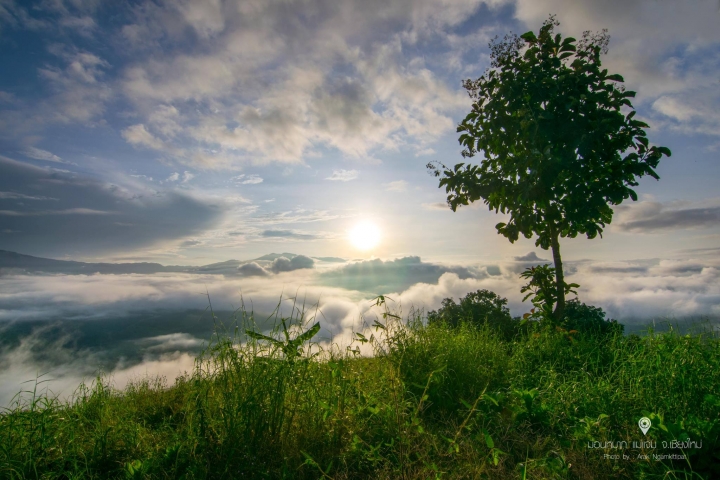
(559, 277)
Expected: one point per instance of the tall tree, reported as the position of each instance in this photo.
(558, 140)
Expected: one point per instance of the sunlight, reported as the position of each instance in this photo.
(364, 235)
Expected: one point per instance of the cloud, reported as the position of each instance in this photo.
(380, 276)
(80, 92)
(530, 257)
(299, 215)
(252, 269)
(67, 211)
(290, 234)
(435, 206)
(658, 289)
(143, 176)
(349, 88)
(424, 151)
(63, 368)
(396, 186)
(282, 264)
(668, 54)
(38, 154)
(175, 176)
(655, 217)
(621, 268)
(248, 179)
(22, 196)
(343, 175)
(121, 219)
(138, 135)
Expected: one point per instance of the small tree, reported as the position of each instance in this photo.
(482, 307)
(558, 147)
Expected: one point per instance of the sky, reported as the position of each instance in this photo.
(194, 132)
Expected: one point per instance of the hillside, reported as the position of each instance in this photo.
(432, 402)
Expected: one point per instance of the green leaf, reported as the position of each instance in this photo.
(529, 37)
(260, 336)
(488, 440)
(615, 78)
(309, 334)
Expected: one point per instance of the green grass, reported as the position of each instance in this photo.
(433, 402)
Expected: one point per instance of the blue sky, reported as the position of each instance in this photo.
(196, 131)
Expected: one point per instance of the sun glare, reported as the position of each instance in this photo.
(364, 236)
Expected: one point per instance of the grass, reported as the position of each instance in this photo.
(433, 402)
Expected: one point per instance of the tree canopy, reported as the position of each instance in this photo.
(558, 138)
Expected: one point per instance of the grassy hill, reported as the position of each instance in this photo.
(433, 402)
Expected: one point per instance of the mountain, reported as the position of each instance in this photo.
(12, 262)
(28, 263)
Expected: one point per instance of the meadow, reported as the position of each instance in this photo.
(433, 400)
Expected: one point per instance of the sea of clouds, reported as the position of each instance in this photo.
(338, 296)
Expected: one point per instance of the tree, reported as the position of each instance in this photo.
(477, 308)
(558, 138)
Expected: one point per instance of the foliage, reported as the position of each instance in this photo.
(542, 289)
(558, 138)
(482, 307)
(589, 320)
(433, 401)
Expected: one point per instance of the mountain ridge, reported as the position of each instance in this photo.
(28, 263)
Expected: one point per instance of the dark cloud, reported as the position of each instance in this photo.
(530, 257)
(621, 269)
(493, 270)
(389, 276)
(651, 217)
(252, 269)
(89, 216)
(283, 264)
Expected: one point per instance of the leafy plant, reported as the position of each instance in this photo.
(542, 288)
(479, 308)
(558, 148)
(291, 348)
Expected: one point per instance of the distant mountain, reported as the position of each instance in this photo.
(12, 261)
(28, 263)
(274, 256)
(331, 259)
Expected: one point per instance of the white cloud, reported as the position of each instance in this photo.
(248, 179)
(656, 217)
(138, 135)
(187, 176)
(263, 100)
(628, 291)
(22, 196)
(425, 151)
(80, 90)
(396, 186)
(343, 175)
(666, 51)
(39, 154)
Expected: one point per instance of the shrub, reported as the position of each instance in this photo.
(589, 320)
(477, 308)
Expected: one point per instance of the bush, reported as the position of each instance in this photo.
(477, 308)
(589, 320)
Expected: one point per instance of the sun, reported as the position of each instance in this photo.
(364, 235)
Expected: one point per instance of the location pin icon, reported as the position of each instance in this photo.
(644, 425)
